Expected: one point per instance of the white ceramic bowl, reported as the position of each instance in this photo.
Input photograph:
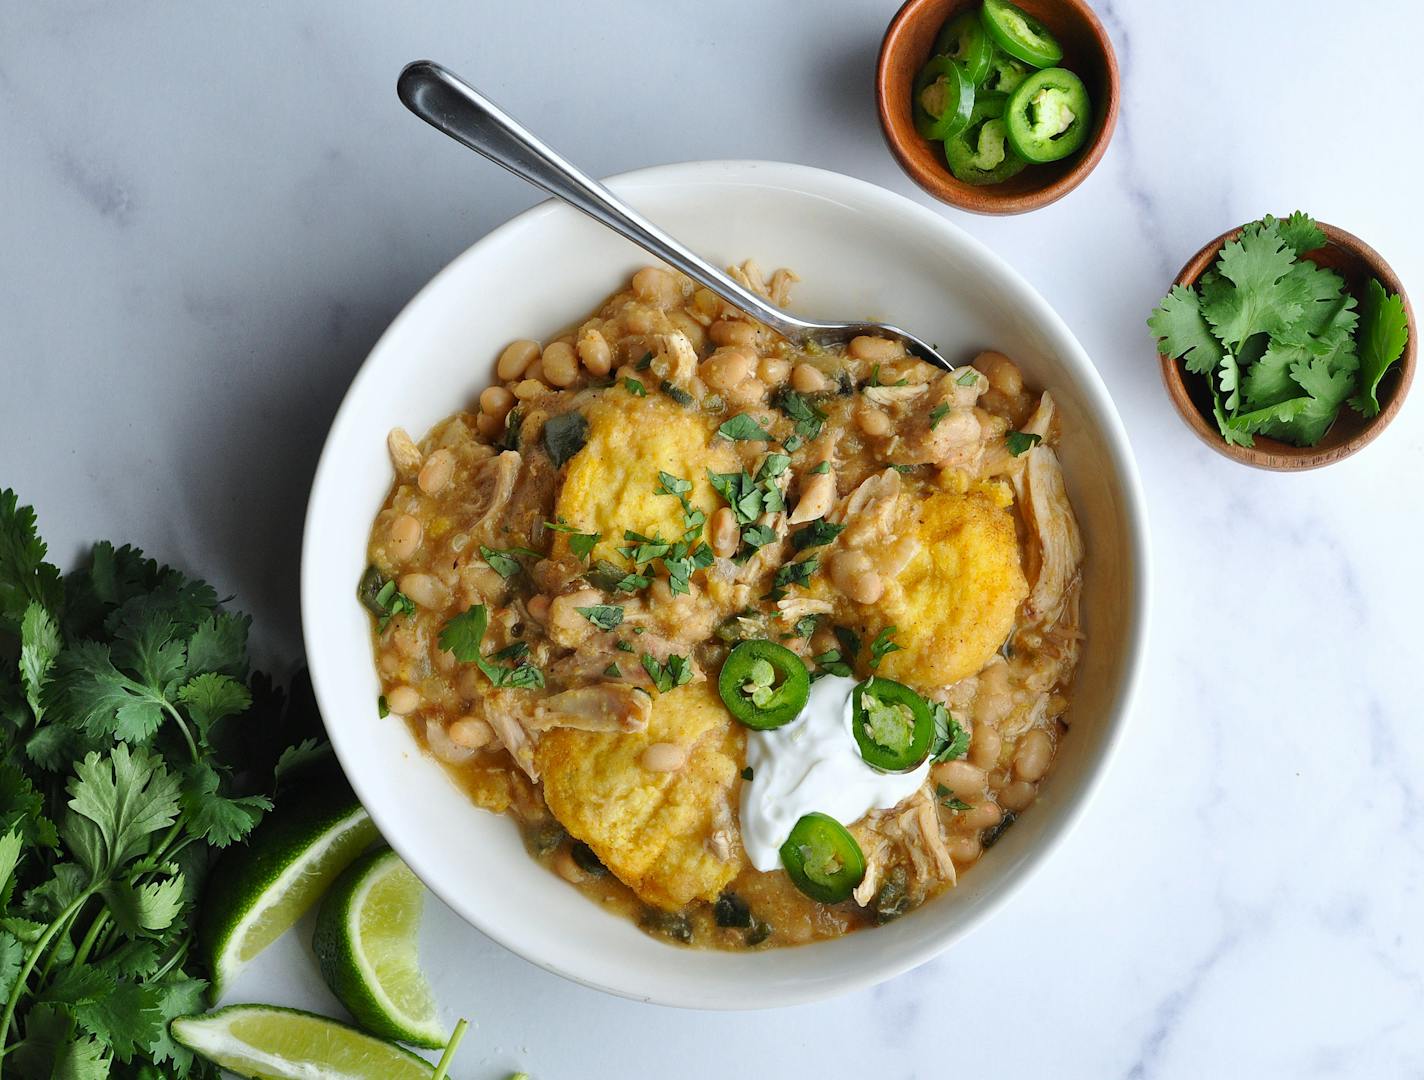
(862, 251)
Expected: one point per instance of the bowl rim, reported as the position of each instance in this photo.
(870, 198)
(939, 181)
(1273, 455)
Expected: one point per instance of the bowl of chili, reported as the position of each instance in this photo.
(1074, 59)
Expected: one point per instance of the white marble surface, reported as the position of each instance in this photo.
(211, 211)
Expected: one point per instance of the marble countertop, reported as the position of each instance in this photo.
(212, 212)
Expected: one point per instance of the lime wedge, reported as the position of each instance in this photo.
(258, 891)
(366, 944)
(271, 1043)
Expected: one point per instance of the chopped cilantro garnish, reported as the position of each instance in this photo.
(634, 387)
(1020, 442)
(603, 616)
(743, 428)
(882, 646)
(950, 739)
(938, 413)
(815, 534)
(677, 671)
(463, 635)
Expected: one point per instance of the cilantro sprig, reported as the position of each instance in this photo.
(1281, 341)
(135, 744)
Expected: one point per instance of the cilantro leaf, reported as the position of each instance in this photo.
(1229, 379)
(634, 387)
(938, 413)
(883, 646)
(808, 418)
(463, 634)
(668, 676)
(580, 543)
(1327, 386)
(610, 578)
(815, 534)
(501, 562)
(793, 573)
(1300, 232)
(950, 801)
(1268, 380)
(743, 428)
(1020, 442)
(603, 616)
(1182, 331)
(25, 577)
(951, 740)
(1384, 333)
(212, 697)
(216, 818)
(40, 644)
(116, 802)
(93, 694)
(149, 907)
(1248, 298)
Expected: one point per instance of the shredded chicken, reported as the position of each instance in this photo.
(1041, 493)
(893, 395)
(601, 707)
(501, 710)
(676, 360)
(499, 473)
(868, 512)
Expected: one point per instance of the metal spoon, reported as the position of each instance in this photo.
(447, 103)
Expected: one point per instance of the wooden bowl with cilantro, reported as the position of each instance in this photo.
(1286, 344)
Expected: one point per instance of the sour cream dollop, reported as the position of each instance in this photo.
(813, 764)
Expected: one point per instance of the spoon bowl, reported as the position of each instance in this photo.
(451, 105)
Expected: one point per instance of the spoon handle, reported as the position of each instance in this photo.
(449, 104)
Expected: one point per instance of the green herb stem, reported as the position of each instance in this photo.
(183, 727)
(450, 1047)
(36, 951)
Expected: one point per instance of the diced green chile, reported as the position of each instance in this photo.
(944, 99)
(763, 684)
(982, 155)
(1019, 34)
(585, 859)
(893, 725)
(893, 899)
(757, 932)
(731, 910)
(964, 39)
(564, 436)
(1005, 73)
(823, 859)
(1048, 117)
(368, 591)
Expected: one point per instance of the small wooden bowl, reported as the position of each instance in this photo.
(1356, 262)
(909, 41)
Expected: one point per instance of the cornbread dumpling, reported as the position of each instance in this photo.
(669, 834)
(954, 602)
(612, 483)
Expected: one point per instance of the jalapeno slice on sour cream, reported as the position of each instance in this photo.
(892, 724)
(763, 684)
(1019, 34)
(822, 859)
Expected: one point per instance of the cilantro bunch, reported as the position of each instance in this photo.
(134, 743)
(1281, 341)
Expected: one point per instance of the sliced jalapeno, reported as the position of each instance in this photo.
(982, 154)
(1048, 117)
(944, 99)
(822, 859)
(1019, 34)
(964, 39)
(763, 684)
(893, 725)
(1005, 73)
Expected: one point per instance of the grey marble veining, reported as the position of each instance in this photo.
(211, 212)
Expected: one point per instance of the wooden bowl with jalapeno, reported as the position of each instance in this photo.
(997, 107)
